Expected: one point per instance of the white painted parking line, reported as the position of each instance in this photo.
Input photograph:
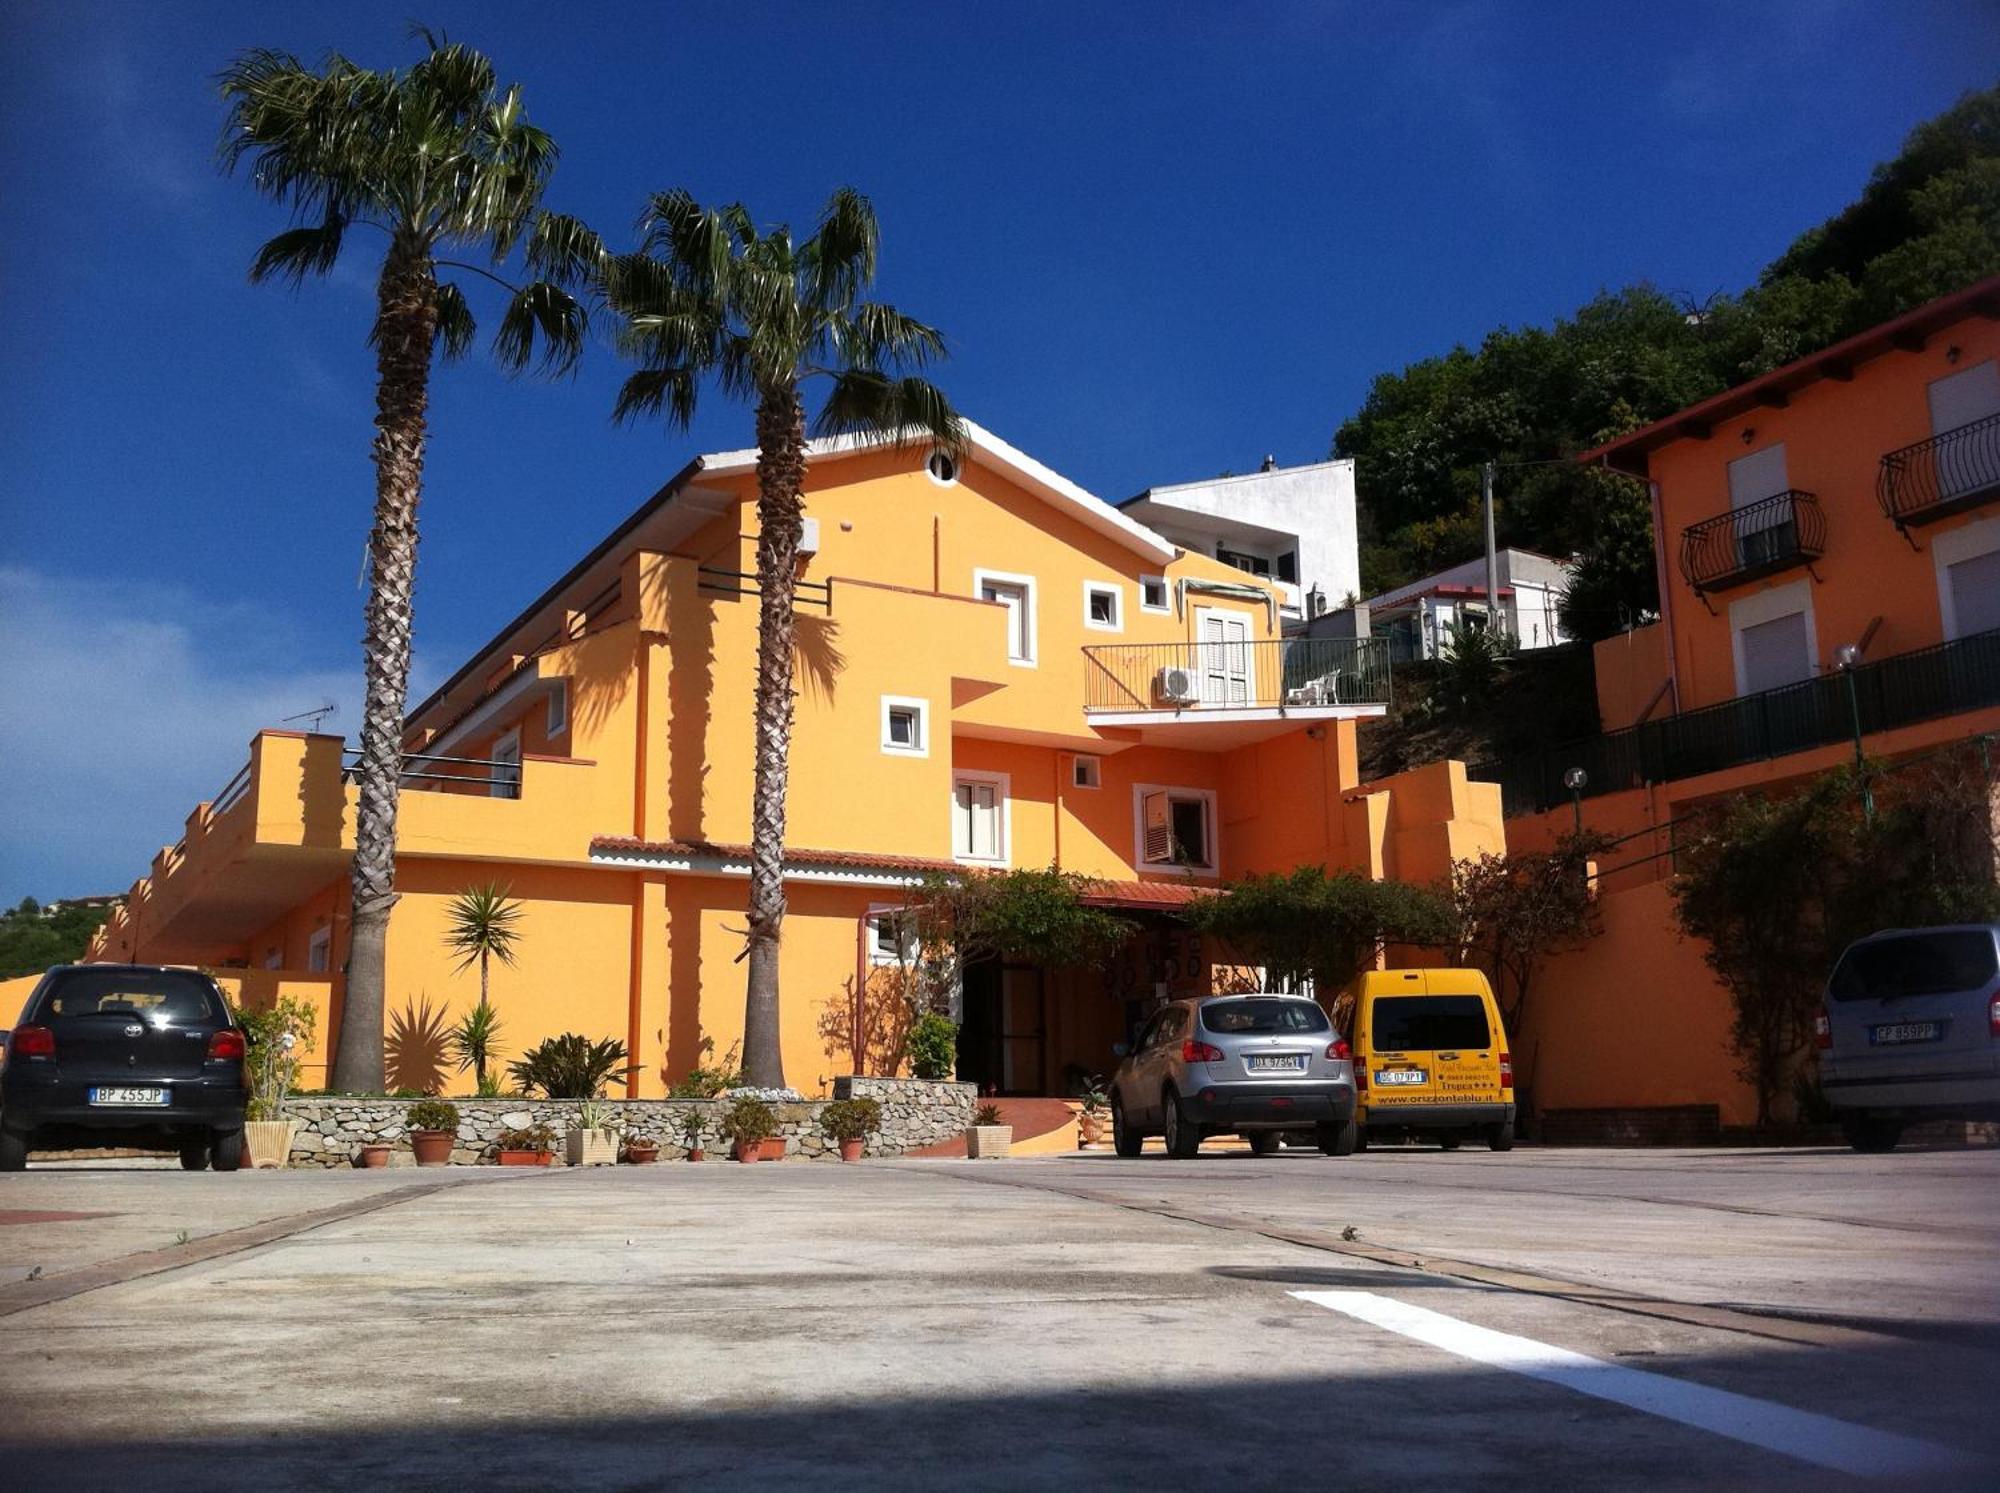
(1818, 1439)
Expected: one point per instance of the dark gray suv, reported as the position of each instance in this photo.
(1249, 1065)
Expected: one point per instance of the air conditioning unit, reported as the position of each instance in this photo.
(1175, 686)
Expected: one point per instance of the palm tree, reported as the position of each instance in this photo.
(438, 159)
(482, 923)
(706, 295)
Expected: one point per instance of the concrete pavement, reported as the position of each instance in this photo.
(1073, 1321)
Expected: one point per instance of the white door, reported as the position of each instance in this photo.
(1775, 653)
(505, 781)
(1223, 656)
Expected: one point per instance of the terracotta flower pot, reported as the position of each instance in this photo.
(1091, 1127)
(850, 1150)
(697, 1154)
(374, 1156)
(642, 1154)
(773, 1147)
(432, 1147)
(749, 1150)
(527, 1158)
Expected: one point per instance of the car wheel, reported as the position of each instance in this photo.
(1501, 1136)
(226, 1151)
(1871, 1132)
(1126, 1141)
(1265, 1143)
(13, 1152)
(1343, 1139)
(1183, 1140)
(1447, 1143)
(194, 1155)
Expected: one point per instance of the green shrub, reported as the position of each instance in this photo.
(694, 1125)
(528, 1138)
(748, 1121)
(933, 1046)
(432, 1114)
(273, 1039)
(850, 1119)
(987, 1114)
(571, 1066)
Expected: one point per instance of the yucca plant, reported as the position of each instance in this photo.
(439, 160)
(571, 1066)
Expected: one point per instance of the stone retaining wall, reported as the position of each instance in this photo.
(915, 1114)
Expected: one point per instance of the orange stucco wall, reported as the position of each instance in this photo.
(1631, 671)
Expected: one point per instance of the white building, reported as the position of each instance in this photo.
(1294, 525)
(1418, 619)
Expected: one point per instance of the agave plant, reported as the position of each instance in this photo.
(571, 1066)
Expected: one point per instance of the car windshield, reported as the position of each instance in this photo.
(162, 996)
(1252, 1015)
(1425, 1023)
(1937, 963)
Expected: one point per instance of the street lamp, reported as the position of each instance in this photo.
(1576, 780)
(1847, 658)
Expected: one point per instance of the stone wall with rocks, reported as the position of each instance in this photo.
(915, 1114)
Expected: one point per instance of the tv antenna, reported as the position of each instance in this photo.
(317, 715)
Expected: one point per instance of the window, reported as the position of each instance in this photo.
(1085, 772)
(504, 769)
(1017, 594)
(1936, 963)
(1175, 829)
(1153, 594)
(1253, 564)
(1264, 1014)
(892, 937)
(943, 468)
(1772, 635)
(1968, 578)
(175, 997)
(558, 709)
(1103, 606)
(319, 952)
(905, 726)
(1288, 567)
(1428, 1023)
(979, 817)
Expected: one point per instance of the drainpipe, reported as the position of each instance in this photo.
(1666, 591)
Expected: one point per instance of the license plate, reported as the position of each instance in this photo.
(1392, 1076)
(1278, 1065)
(128, 1096)
(1905, 1031)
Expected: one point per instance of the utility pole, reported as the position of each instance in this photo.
(1493, 616)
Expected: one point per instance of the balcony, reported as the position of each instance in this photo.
(1944, 475)
(1758, 539)
(1170, 692)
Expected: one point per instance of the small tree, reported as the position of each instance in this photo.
(1308, 925)
(482, 923)
(1515, 910)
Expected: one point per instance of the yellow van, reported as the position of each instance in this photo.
(1430, 1056)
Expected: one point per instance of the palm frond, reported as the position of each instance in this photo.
(876, 335)
(667, 392)
(564, 251)
(869, 402)
(839, 259)
(298, 252)
(549, 311)
(455, 326)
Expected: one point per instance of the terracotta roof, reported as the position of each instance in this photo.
(1158, 896)
(795, 855)
(1628, 452)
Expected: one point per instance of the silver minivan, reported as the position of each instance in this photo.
(1249, 1065)
(1911, 1031)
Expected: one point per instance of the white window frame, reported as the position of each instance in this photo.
(497, 786)
(1003, 808)
(1966, 542)
(1166, 606)
(319, 951)
(1769, 606)
(1077, 765)
(1030, 602)
(1093, 589)
(906, 950)
(922, 710)
(1173, 791)
(558, 717)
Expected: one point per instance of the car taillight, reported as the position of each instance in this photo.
(1506, 1070)
(1361, 1078)
(1339, 1050)
(1993, 1017)
(1823, 1028)
(226, 1044)
(32, 1042)
(1199, 1052)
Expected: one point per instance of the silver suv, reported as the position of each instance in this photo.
(1911, 1031)
(1249, 1065)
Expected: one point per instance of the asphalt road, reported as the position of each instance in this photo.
(1398, 1320)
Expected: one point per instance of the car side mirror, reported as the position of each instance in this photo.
(1120, 1050)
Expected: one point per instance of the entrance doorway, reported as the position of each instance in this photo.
(1003, 1040)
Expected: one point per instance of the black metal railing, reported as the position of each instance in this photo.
(1760, 538)
(1943, 475)
(1898, 691)
(744, 583)
(436, 773)
(1270, 673)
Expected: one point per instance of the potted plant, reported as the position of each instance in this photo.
(273, 1039)
(593, 1140)
(532, 1145)
(373, 1154)
(747, 1123)
(641, 1150)
(851, 1122)
(433, 1126)
(694, 1125)
(1093, 1122)
(987, 1137)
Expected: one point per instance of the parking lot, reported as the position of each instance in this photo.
(1415, 1319)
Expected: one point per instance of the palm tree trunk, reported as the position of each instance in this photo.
(405, 334)
(781, 472)
(479, 1058)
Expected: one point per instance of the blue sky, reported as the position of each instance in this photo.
(1163, 241)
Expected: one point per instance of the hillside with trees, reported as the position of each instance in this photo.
(32, 938)
(1927, 223)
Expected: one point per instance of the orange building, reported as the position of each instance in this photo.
(1829, 546)
(996, 669)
